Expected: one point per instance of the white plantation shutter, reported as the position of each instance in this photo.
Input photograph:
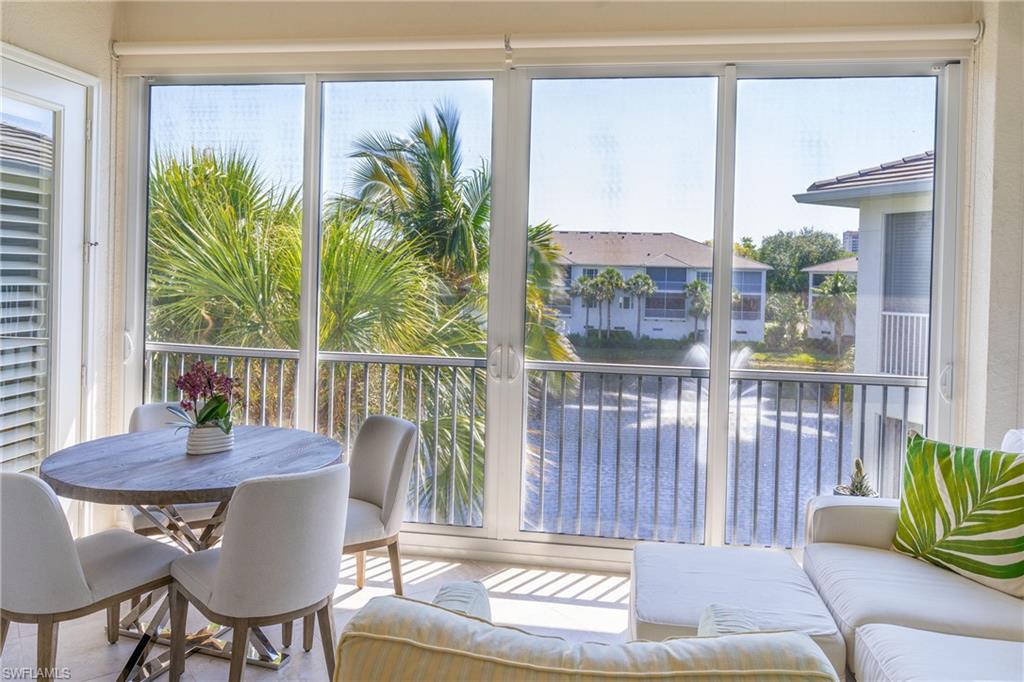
(26, 181)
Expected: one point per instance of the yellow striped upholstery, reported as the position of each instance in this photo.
(394, 638)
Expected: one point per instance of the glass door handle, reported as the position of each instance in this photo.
(494, 362)
(514, 365)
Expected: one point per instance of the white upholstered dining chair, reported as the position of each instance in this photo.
(381, 463)
(152, 417)
(278, 561)
(47, 577)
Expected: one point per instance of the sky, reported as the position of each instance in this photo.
(605, 154)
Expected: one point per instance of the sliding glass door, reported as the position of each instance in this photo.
(404, 276)
(617, 318)
(529, 265)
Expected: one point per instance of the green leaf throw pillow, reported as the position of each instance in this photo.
(963, 509)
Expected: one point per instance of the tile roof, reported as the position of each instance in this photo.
(639, 249)
(907, 169)
(841, 265)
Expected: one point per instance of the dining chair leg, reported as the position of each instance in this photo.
(113, 623)
(46, 648)
(326, 617)
(239, 648)
(360, 569)
(286, 634)
(179, 619)
(396, 566)
(4, 626)
(307, 632)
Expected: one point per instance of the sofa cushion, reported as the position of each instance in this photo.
(395, 638)
(865, 585)
(963, 509)
(673, 584)
(890, 653)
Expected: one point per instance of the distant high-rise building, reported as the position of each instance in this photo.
(850, 241)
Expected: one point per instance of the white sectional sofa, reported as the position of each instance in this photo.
(902, 618)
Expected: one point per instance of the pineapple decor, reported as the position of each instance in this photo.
(859, 485)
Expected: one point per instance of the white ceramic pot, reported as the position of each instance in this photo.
(205, 440)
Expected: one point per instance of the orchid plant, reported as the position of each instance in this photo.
(206, 398)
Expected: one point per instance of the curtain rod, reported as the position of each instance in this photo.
(510, 42)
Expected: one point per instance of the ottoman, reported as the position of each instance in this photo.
(672, 584)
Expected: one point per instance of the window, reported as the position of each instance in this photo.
(590, 273)
(704, 276)
(748, 288)
(669, 300)
(626, 303)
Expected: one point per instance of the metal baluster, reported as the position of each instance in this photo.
(181, 370)
(436, 444)
(678, 460)
(817, 470)
(657, 460)
(419, 436)
(366, 391)
(454, 445)
(401, 391)
(167, 358)
(778, 457)
(597, 476)
(472, 443)
(863, 398)
(696, 464)
(636, 460)
(839, 448)
(543, 440)
(561, 453)
(736, 462)
(348, 406)
(618, 456)
(881, 441)
(903, 438)
(149, 376)
(579, 456)
(248, 377)
(799, 460)
(383, 388)
(280, 392)
(330, 398)
(757, 466)
(263, 392)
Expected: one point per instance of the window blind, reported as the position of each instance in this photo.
(26, 187)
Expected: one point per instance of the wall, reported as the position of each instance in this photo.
(78, 35)
(991, 376)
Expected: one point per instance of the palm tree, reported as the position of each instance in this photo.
(223, 253)
(584, 288)
(417, 183)
(609, 281)
(699, 295)
(639, 286)
(835, 299)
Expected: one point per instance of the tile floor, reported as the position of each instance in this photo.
(577, 605)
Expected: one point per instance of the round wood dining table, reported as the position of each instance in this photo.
(149, 470)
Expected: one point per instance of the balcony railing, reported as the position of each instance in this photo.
(904, 343)
(611, 451)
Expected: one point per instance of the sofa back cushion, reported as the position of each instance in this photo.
(963, 509)
(394, 638)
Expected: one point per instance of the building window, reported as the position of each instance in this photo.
(669, 301)
(589, 272)
(626, 303)
(704, 276)
(560, 299)
(748, 306)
